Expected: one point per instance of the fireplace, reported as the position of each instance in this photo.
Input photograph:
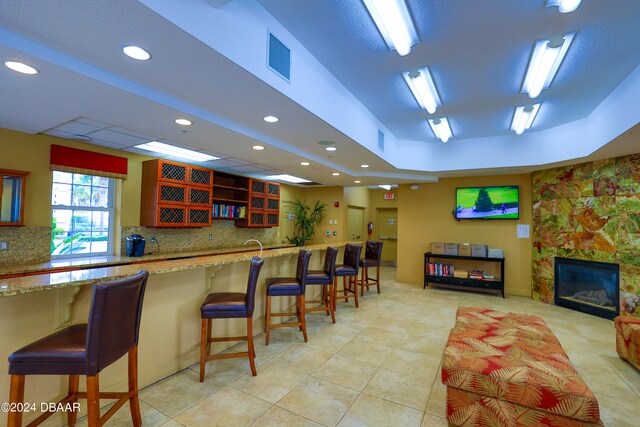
(588, 286)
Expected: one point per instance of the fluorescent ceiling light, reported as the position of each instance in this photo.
(21, 67)
(357, 182)
(524, 117)
(331, 148)
(258, 147)
(565, 6)
(441, 128)
(336, 174)
(183, 122)
(545, 61)
(394, 23)
(364, 166)
(136, 52)
(271, 119)
(170, 150)
(304, 163)
(423, 89)
(287, 178)
(385, 186)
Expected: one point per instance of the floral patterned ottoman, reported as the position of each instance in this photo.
(508, 369)
(628, 339)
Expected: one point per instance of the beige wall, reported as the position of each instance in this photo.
(329, 195)
(424, 216)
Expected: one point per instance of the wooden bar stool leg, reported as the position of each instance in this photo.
(302, 318)
(326, 292)
(204, 341)
(378, 277)
(74, 383)
(252, 351)
(344, 288)
(332, 306)
(267, 324)
(134, 403)
(362, 275)
(355, 287)
(16, 395)
(93, 400)
(299, 311)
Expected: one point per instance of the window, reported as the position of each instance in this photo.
(82, 215)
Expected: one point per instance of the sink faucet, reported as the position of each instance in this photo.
(258, 242)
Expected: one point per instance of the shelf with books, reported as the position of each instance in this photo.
(486, 273)
(223, 211)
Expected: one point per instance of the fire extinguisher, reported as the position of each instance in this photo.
(370, 228)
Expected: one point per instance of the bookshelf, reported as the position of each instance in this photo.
(444, 276)
(230, 196)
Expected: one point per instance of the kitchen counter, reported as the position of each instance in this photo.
(118, 267)
(115, 260)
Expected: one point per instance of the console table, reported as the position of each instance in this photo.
(497, 283)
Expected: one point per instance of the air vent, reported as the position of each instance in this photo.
(309, 184)
(380, 140)
(279, 57)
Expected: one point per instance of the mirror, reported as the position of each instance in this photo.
(12, 185)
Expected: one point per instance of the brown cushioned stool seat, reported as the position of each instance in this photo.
(86, 349)
(230, 305)
(289, 286)
(324, 278)
(372, 258)
(348, 269)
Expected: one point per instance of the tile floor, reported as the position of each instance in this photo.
(377, 366)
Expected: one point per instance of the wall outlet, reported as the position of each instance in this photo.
(210, 236)
(335, 221)
(3, 246)
(335, 233)
(153, 240)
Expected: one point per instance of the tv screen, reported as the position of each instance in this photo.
(487, 202)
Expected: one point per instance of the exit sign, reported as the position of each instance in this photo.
(389, 196)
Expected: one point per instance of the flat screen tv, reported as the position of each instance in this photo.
(487, 202)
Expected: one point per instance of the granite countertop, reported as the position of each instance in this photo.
(88, 276)
(115, 260)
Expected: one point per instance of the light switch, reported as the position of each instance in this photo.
(523, 231)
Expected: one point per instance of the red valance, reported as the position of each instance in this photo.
(69, 159)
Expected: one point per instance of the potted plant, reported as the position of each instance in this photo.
(306, 218)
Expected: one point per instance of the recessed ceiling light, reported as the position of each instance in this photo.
(331, 148)
(21, 67)
(357, 182)
(335, 174)
(170, 150)
(565, 6)
(184, 122)
(271, 119)
(364, 166)
(136, 52)
(287, 178)
(258, 147)
(305, 163)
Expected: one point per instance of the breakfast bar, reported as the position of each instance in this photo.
(37, 305)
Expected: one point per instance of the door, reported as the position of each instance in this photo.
(355, 223)
(387, 233)
(286, 225)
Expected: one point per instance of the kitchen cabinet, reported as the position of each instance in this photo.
(12, 188)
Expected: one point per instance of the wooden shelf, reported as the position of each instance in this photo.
(228, 187)
(227, 217)
(241, 202)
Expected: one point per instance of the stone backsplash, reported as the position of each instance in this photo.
(589, 211)
(25, 245)
(224, 235)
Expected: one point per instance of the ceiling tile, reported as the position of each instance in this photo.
(117, 137)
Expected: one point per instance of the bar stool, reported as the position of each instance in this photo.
(230, 305)
(289, 286)
(372, 258)
(348, 268)
(86, 349)
(325, 278)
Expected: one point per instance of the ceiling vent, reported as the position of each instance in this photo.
(279, 57)
(309, 184)
(380, 140)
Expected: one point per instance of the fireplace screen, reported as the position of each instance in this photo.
(588, 286)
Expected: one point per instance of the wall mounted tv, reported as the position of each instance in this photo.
(487, 202)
